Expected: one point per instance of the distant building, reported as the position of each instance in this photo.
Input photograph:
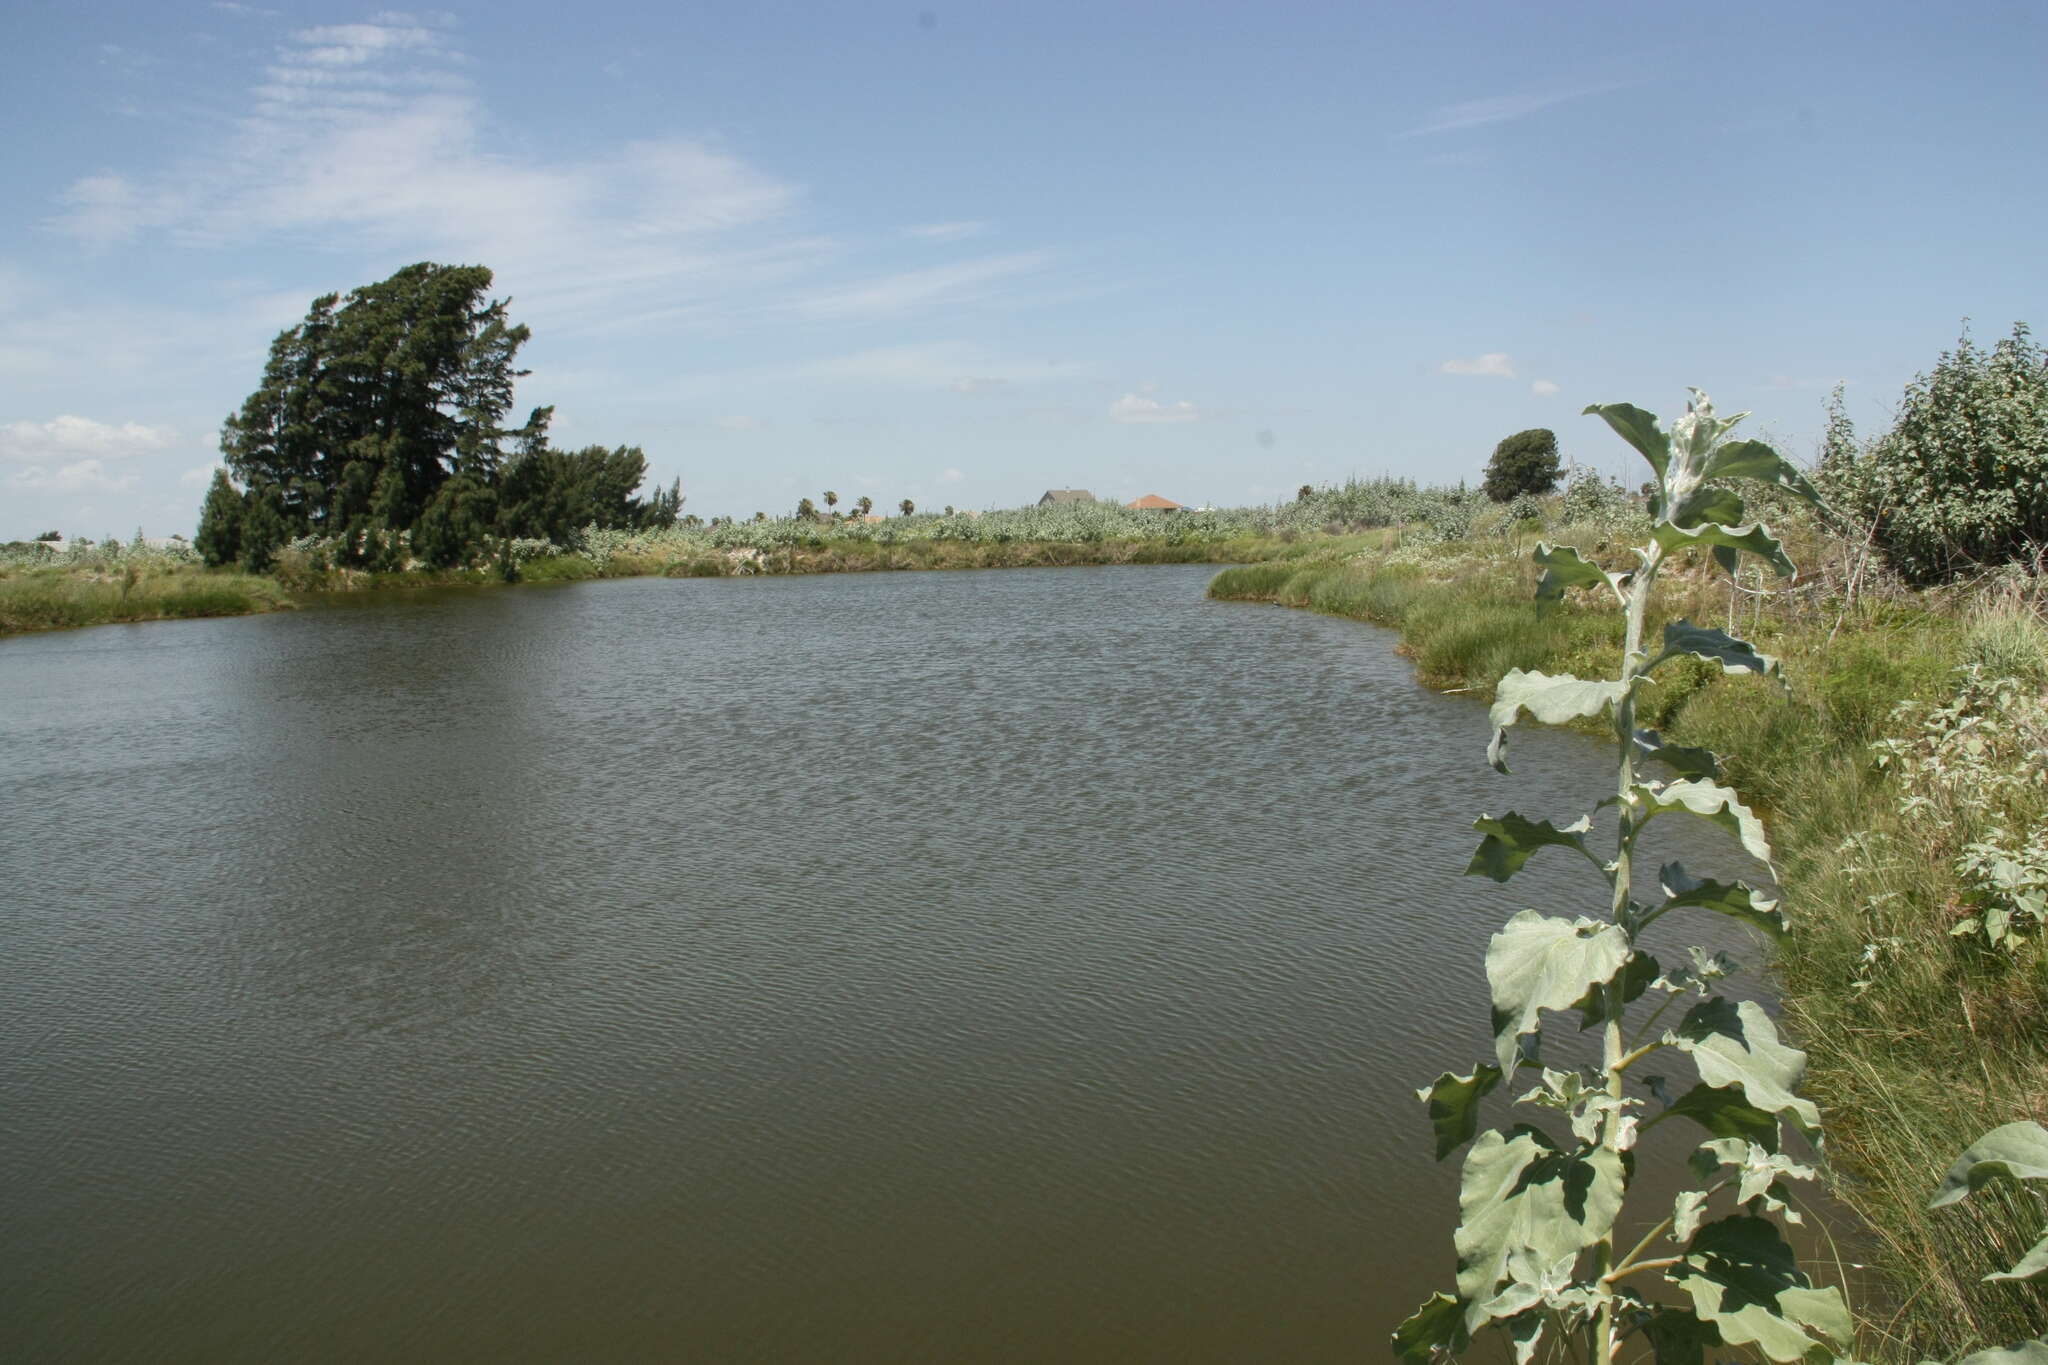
(1056, 495)
(1152, 502)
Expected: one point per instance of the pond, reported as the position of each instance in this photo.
(1032, 965)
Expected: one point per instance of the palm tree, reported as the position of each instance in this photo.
(908, 506)
(806, 510)
(831, 501)
(866, 505)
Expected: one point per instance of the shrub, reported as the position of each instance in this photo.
(1525, 462)
(1961, 479)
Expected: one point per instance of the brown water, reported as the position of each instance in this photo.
(1017, 966)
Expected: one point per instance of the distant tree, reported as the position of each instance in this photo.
(265, 528)
(831, 501)
(457, 521)
(949, 509)
(906, 507)
(806, 510)
(220, 522)
(1525, 462)
(760, 516)
(377, 399)
(865, 506)
(49, 536)
(1304, 493)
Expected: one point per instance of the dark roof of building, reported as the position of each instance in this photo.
(1066, 495)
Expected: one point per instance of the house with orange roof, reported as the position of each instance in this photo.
(1152, 502)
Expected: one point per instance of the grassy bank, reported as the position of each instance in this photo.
(141, 587)
(61, 598)
(1919, 1040)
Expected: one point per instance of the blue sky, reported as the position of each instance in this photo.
(961, 253)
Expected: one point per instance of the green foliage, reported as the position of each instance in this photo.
(2017, 1152)
(1522, 464)
(380, 421)
(220, 522)
(1536, 1248)
(1961, 479)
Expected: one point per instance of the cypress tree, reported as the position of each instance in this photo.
(220, 522)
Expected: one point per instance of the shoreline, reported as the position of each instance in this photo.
(1912, 1056)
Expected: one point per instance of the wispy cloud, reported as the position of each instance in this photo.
(946, 232)
(1504, 108)
(1543, 388)
(892, 295)
(1136, 408)
(73, 438)
(84, 476)
(1497, 364)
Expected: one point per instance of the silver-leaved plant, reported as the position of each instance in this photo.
(1537, 1253)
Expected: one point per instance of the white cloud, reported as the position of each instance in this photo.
(1503, 108)
(946, 232)
(199, 477)
(1136, 408)
(951, 476)
(1543, 388)
(85, 476)
(69, 438)
(371, 137)
(1495, 363)
(965, 282)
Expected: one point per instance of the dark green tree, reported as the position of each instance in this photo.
(906, 507)
(265, 527)
(456, 523)
(220, 522)
(413, 375)
(1525, 462)
(806, 510)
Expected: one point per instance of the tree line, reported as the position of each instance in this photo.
(379, 426)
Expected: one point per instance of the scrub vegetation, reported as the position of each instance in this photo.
(1903, 773)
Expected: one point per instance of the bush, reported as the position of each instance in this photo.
(1961, 480)
(1525, 462)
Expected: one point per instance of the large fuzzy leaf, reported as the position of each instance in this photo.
(1639, 429)
(1564, 567)
(1551, 700)
(1737, 900)
(1716, 647)
(2025, 1353)
(1511, 840)
(1743, 1278)
(1737, 1045)
(1725, 1111)
(1635, 978)
(1678, 1337)
(1706, 503)
(1454, 1106)
(1756, 460)
(1537, 963)
(2032, 1266)
(1439, 1325)
(1684, 760)
(2017, 1151)
(1709, 801)
(1725, 541)
(1522, 1199)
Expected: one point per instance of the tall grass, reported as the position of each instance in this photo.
(1918, 1041)
(60, 598)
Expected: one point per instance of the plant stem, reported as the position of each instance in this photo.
(1606, 1340)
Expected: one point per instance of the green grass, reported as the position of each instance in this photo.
(60, 599)
(1941, 1041)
